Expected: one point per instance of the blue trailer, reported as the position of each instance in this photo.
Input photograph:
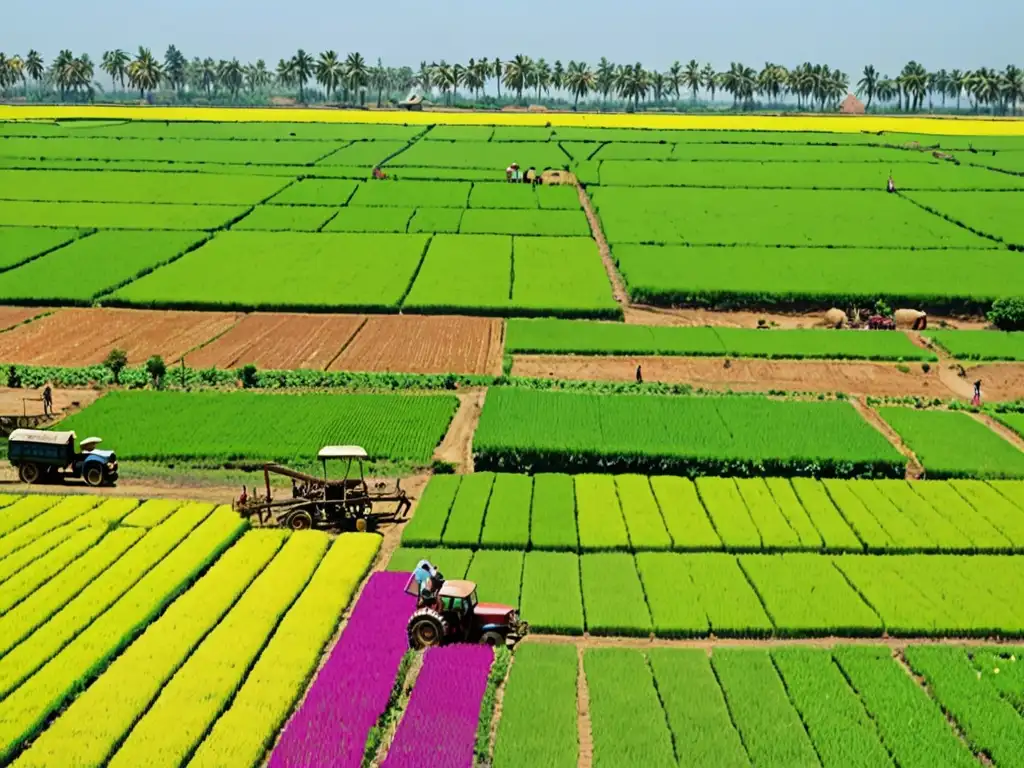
(41, 456)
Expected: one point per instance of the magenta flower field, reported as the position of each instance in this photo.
(352, 689)
(439, 726)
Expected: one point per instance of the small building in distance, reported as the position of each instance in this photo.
(851, 105)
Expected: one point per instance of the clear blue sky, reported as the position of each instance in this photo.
(848, 35)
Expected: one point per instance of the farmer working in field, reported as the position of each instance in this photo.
(891, 186)
(47, 400)
(976, 400)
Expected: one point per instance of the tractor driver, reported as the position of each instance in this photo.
(429, 579)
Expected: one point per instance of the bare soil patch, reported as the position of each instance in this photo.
(279, 341)
(642, 314)
(753, 375)
(75, 337)
(12, 316)
(457, 446)
(29, 402)
(425, 344)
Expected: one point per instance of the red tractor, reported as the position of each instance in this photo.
(881, 323)
(448, 611)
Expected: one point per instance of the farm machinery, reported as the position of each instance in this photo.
(448, 611)
(320, 502)
(41, 456)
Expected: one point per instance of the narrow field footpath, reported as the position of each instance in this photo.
(619, 292)
(457, 446)
(915, 469)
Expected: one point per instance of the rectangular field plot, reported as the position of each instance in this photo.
(284, 270)
(980, 345)
(259, 131)
(524, 222)
(787, 175)
(492, 154)
(461, 272)
(363, 153)
(316, 192)
(167, 150)
(998, 215)
(951, 444)
(803, 278)
(436, 220)
(538, 431)
(560, 276)
(413, 194)
(19, 244)
(113, 259)
(772, 217)
(395, 220)
(552, 336)
(524, 196)
(285, 218)
(108, 187)
(164, 425)
(118, 215)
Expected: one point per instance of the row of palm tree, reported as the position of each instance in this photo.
(351, 79)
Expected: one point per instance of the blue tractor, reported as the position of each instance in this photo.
(41, 456)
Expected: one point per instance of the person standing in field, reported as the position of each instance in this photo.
(47, 400)
(639, 375)
(976, 400)
(890, 187)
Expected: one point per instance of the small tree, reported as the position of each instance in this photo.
(157, 370)
(1008, 313)
(116, 362)
(247, 375)
(13, 377)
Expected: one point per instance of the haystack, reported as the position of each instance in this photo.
(835, 318)
(910, 318)
(851, 105)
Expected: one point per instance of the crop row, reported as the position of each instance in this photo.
(215, 425)
(752, 595)
(261, 614)
(980, 345)
(556, 336)
(536, 431)
(205, 131)
(791, 706)
(591, 513)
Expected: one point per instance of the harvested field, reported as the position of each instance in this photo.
(425, 344)
(12, 316)
(279, 342)
(29, 402)
(76, 337)
(878, 379)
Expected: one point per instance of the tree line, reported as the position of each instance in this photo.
(351, 80)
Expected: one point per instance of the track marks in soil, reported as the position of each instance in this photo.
(457, 446)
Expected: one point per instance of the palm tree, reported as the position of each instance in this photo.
(557, 76)
(771, 80)
(941, 84)
(659, 84)
(605, 77)
(81, 74)
(16, 71)
(868, 84)
(174, 68)
(5, 73)
(497, 70)
(144, 72)
(328, 71)
(425, 78)
(357, 76)
(61, 71)
(632, 82)
(1013, 86)
(692, 78)
(955, 87)
(380, 78)
(443, 76)
(231, 75)
(709, 79)
(674, 78)
(257, 77)
(579, 80)
(540, 76)
(302, 70)
(518, 72)
(285, 72)
(473, 78)
(115, 64)
(886, 89)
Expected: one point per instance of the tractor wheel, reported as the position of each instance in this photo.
(492, 638)
(29, 473)
(94, 476)
(300, 521)
(426, 629)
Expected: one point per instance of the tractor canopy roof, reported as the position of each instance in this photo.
(458, 588)
(342, 452)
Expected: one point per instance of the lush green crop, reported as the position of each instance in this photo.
(94, 265)
(118, 215)
(618, 611)
(453, 563)
(728, 513)
(599, 516)
(507, 524)
(626, 717)
(785, 498)
(68, 510)
(467, 514)
(169, 150)
(843, 733)
(363, 153)
(503, 196)
(463, 272)
(459, 133)
(865, 524)
(285, 270)
(560, 276)
(558, 196)
(498, 573)
(538, 716)
(641, 512)
(904, 529)
(977, 528)
(413, 194)
(286, 218)
(492, 154)
(19, 244)
(952, 444)
(991, 506)
(316, 192)
(940, 525)
(676, 606)
(524, 429)
(436, 220)
(554, 336)
(912, 726)
(370, 220)
(259, 131)
(685, 518)
(108, 187)
(772, 217)
(812, 278)
(999, 215)
(771, 729)
(552, 600)
(432, 510)
(834, 529)
(981, 345)
(774, 527)
(553, 512)
(165, 425)
(477, 221)
(695, 709)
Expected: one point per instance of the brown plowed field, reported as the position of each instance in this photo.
(29, 402)
(279, 342)
(12, 316)
(880, 379)
(75, 337)
(425, 344)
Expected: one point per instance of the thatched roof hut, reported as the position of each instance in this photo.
(851, 105)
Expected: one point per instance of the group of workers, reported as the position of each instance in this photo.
(515, 176)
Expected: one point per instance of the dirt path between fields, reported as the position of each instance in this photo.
(583, 726)
(457, 446)
(646, 314)
(619, 292)
(914, 468)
